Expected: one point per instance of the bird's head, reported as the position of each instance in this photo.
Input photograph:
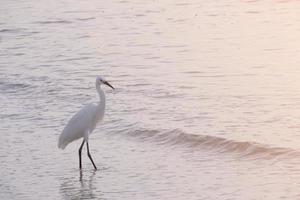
(100, 80)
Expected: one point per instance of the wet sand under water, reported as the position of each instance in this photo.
(206, 106)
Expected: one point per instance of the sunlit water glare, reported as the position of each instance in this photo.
(206, 106)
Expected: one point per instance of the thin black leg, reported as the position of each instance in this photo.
(79, 151)
(89, 155)
(80, 176)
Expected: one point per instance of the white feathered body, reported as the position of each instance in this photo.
(83, 122)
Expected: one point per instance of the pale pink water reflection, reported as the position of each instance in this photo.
(207, 104)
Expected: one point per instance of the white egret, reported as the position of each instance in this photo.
(84, 122)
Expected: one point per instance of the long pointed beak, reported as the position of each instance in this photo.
(107, 83)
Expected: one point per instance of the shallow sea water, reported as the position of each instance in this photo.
(206, 106)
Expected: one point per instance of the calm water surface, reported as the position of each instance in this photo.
(207, 104)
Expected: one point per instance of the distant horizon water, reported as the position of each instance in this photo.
(206, 105)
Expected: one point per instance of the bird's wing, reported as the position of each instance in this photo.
(81, 122)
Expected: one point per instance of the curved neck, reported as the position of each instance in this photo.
(101, 95)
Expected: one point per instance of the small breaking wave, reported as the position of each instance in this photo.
(8, 87)
(12, 30)
(86, 18)
(54, 22)
(214, 143)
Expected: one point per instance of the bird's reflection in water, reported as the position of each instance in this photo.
(71, 188)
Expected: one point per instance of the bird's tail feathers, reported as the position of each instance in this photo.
(62, 143)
